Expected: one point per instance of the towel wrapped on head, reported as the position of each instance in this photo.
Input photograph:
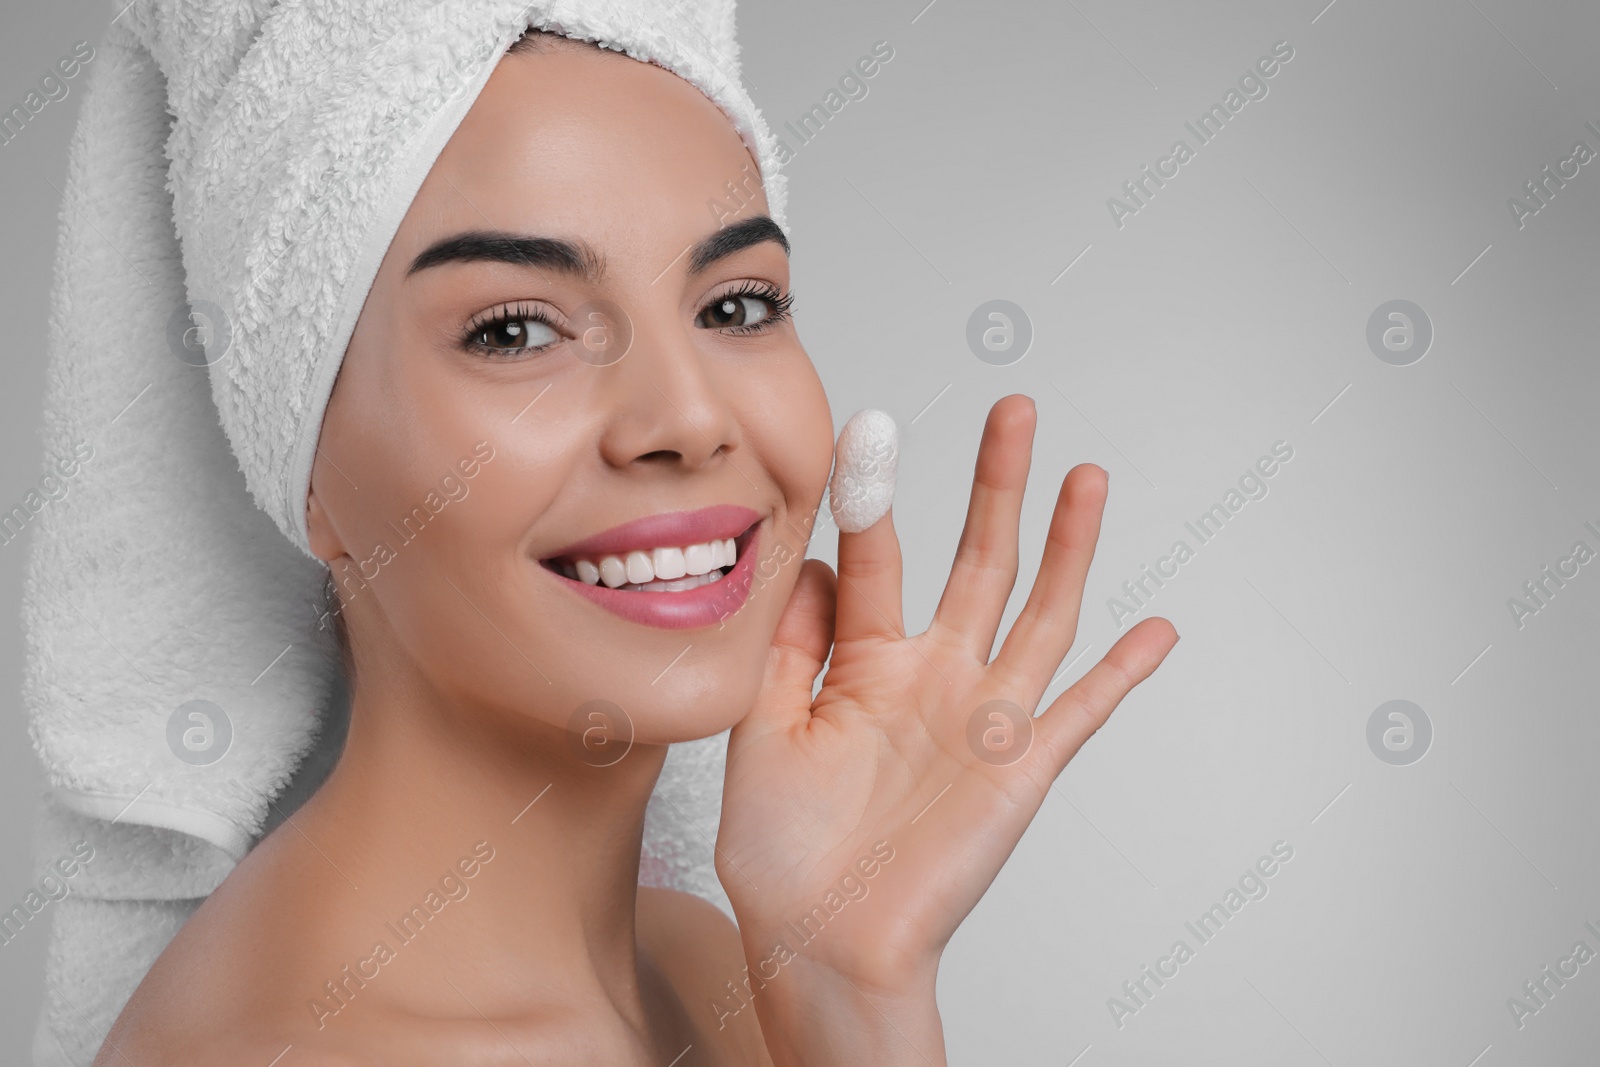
(238, 170)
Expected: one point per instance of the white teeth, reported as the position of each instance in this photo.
(668, 563)
(697, 559)
(666, 569)
(612, 572)
(639, 568)
(680, 585)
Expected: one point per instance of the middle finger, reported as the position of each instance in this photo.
(985, 566)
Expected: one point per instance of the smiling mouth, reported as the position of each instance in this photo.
(656, 569)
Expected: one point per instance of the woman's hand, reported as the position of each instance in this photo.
(860, 827)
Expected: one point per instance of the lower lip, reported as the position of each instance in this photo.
(688, 609)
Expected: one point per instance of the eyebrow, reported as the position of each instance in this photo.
(578, 259)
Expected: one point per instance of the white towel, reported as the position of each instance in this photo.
(237, 172)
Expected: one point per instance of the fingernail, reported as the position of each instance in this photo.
(864, 465)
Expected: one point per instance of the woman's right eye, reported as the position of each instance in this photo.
(513, 335)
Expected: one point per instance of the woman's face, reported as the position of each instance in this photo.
(471, 453)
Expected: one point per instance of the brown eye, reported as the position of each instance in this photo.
(753, 308)
(735, 309)
(517, 333)
(513, 333)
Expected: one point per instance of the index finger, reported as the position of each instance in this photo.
(869, 584)
(866, 462)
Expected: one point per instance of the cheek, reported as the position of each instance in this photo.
(436, 550)
(790, 428)
(459, 606)
(387, 449)
(789, 433)
(468, 565)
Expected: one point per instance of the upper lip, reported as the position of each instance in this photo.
(669, 528)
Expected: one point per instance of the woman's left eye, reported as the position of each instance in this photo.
(736, 311)
(746, 311)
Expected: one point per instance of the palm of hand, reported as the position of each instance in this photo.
(861, 826)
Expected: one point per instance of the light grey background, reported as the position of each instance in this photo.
(1229, 313)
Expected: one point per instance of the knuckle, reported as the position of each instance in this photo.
(867, 568)
(996, 559)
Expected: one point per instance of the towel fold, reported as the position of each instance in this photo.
(235, 177)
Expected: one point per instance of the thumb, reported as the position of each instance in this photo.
(801, 643)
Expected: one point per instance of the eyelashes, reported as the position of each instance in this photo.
(779, 304)
(510, 322)
(520, 330)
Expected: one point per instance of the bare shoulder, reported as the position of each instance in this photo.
(242, 981)
(140, 1039)
(400, 1045)
(699, 950)
(236, 983)
(391, 1040)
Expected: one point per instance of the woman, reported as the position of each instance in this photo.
(518, 668)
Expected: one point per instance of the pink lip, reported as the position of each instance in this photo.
(668, 528)
(701, 606)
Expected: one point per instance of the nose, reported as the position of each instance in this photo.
(668, 410)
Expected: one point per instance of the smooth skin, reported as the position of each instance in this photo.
(471, 657)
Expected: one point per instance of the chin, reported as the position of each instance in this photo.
(703, 699)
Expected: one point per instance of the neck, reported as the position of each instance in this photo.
(424, 784)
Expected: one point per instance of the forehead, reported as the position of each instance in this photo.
(590, 143)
